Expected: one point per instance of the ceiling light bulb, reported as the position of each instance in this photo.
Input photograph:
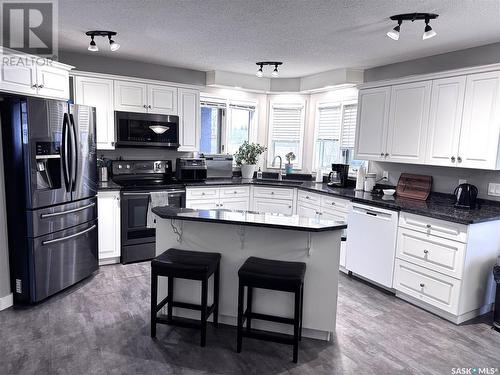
(93, 46)
(275, 72)
(260, 73)
(112, 44)
(394, 33)
(159, 129)
(428, 32)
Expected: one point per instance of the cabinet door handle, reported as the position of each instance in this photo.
(333, 203)
(40, 86)
(145, 106)
(452, 159)
(422, 285)
(386, 154)
(272, 192)
(149, 106)
(426, 251)
(382, 154)
(289, 206)
(459, 159)
(307, 196)
(35, 86)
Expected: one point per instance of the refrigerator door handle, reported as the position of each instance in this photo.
(53, 214)
(74, 152)
(64, 152)
(48, 242)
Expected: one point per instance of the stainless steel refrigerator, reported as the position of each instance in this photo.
(51, 188)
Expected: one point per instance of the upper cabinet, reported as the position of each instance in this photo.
(371, 132)
(408, 119)
(189, 119)
(479, 137)
(445, 118)
(140, 97)
(452, 121)
(98, 93)
(50, 79)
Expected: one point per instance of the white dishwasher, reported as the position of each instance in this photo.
(371, 243)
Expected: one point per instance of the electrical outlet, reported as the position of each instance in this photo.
(385, 175)
(494, 189)
(462, 181)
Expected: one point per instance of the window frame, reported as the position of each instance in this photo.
(270, 148)
(327, 104)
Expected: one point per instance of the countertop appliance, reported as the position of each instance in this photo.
(414, 186)
(146, 130)
(191, 169)
(138, 179)
(465, 196)
(51, 172)
(219, 166)
(338, 175)
(371, 246)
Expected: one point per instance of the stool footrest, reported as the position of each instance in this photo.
(269, 336)
(163, 302)
(179, 322)
(193, 306)
(270, 318)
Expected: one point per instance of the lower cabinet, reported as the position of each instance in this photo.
(231, 198)
(108, 209)
(273, 206)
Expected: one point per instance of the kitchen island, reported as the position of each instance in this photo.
(238, 235)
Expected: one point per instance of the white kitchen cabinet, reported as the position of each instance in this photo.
(408, 122)
(130, 96)
(307, 210)
(273, 206)
(371, 131)
(189, 119)
(162, 99)
(231, 198)
(98, 93)
(108, 209)
(445, 119)
(479, 136)
(24, 76)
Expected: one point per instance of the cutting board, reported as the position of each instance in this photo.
(414, 186)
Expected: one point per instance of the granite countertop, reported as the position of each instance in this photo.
(108, 185)
(438, 205)
(250, 218)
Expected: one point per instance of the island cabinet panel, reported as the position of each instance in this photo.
(231, 198)
(108, 208)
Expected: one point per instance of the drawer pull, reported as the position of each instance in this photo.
(426, 251)
(333, 203)
(422, 285)
(202, 193)
(235, 192)
(272, 192)
(429, 226)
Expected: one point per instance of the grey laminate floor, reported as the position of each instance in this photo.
(101, 326)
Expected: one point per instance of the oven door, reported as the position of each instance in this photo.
(134, 214)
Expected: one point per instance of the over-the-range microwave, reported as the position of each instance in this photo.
(146, 130)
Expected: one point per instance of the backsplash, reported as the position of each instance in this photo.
(444, 179)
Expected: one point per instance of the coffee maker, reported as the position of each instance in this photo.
(338, 175)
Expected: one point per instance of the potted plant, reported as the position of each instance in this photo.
(289, 158)
(247, 156)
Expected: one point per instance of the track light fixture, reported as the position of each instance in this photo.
(428, 32)
(275, 73)
(112, 44)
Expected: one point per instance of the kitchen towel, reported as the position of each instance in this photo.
(156, 199)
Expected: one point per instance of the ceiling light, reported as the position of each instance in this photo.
(112, 44)
(159, 129)
(104, 33)
(260, 72)
(428, 32)
(275, 73)
(394, 33)
(93, 46)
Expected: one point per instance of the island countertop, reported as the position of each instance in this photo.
(250, 218)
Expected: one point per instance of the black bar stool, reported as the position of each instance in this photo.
(192, 265)
(273, 275)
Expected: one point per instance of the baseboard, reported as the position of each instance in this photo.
(107, 261)
(6, 302)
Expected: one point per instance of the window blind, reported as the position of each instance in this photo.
(286, 123)
(240, 106)
(329, 123)
(349, 125)
(206, 103)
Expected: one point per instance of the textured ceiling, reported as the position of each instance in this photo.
(309, 36)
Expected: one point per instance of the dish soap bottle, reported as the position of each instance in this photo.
(259, 174)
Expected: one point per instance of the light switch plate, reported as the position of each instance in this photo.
(462, 181)
(385, 175)
(494, 189)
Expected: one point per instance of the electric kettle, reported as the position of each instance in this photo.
(465, 196)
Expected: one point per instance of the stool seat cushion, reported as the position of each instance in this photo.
(268, 273)
(185, 262)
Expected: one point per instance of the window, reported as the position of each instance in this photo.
(335, 131)
(221, 133)
(286, 132)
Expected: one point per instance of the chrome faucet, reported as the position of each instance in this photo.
(280, 173)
